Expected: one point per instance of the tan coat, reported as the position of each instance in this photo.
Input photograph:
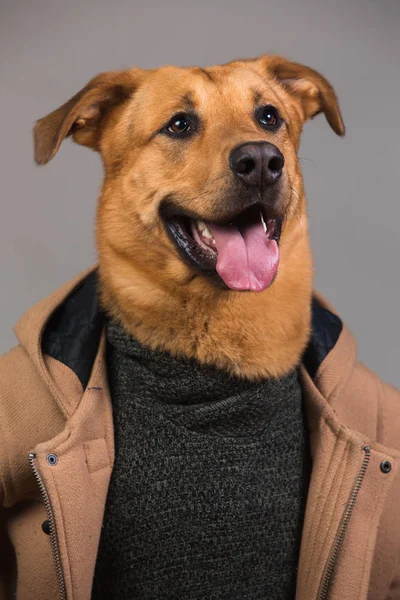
(57, 452)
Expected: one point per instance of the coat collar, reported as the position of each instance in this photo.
(68, 326)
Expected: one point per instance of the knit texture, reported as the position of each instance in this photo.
(207, 496)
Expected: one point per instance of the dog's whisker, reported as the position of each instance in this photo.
(146, 246)
(308, 160)
(290, 209)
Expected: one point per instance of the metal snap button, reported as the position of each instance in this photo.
(46, 527)
(386, 466)
(52, 459)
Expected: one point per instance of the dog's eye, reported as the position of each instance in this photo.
(268, 117)
(179, 124)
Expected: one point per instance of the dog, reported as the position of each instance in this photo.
(204, 256)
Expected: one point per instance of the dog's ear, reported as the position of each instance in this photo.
(314, 93)
(82, 115)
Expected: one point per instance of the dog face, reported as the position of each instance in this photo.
(202, 179)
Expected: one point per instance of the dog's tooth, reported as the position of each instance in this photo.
(205, 232)
(263, 222)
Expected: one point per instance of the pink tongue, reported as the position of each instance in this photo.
(247, 260)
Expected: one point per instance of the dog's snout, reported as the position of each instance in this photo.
(257, 164)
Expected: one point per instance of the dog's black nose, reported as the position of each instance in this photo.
(257, 164)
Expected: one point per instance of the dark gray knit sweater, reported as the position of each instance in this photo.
(207, 496)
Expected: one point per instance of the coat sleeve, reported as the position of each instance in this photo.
(389, 434)
(390, 409)
(6, 550)
(6, 554)
(29, 415)
(394, 591)
(19, 421)
(372, 406)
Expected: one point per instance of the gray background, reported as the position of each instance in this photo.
(49, 49)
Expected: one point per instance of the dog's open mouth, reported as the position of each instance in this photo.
(244, 251)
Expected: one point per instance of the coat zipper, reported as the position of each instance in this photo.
(323, 595)
(53, 536)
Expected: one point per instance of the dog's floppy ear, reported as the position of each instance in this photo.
(81, 116)
(309, 87)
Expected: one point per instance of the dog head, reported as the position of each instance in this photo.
(200, 164)
(203, 203)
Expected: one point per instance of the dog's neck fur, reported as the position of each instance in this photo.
(253, 335)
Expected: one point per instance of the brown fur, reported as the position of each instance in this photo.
(144, 282)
